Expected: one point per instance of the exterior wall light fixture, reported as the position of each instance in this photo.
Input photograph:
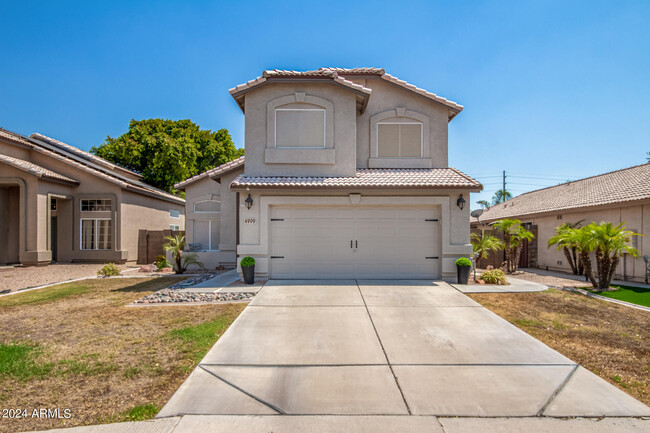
(249, 202)
(460, 202)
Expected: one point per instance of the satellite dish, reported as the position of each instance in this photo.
(476, 213)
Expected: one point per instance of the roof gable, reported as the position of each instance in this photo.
(337, 76)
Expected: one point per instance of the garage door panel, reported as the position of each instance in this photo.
(390, 242)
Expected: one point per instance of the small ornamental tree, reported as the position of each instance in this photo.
(514, 234)
(564, 240)
(484, 243)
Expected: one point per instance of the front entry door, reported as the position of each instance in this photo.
(53, 237)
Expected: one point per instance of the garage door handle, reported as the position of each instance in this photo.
(432, 258)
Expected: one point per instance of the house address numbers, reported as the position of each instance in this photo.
(249, 220)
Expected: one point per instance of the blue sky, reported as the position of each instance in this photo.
(553, 90)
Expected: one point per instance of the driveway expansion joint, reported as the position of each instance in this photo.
(408, 409)
(558, 390)
(269, 405)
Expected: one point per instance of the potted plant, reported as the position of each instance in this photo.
(463, 266)
(248, 269)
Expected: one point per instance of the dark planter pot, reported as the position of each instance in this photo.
(462, 273)
(249, 274)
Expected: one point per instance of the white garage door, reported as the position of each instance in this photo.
(354, 242)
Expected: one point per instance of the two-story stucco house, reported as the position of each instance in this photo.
(346, 176)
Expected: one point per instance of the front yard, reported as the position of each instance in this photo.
(612, 341)
(76, 346)
(634, 295)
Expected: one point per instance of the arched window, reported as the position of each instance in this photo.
(207, 206)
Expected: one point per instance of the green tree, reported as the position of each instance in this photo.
(500, 196)
(513, 236)
(484, 243)
(166, 152)
(610, 243)
(176, 245)
(484, 204)
(564, 240)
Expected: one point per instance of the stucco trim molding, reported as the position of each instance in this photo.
(400, 114)
(296, 100)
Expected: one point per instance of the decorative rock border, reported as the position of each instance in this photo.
(170, 295)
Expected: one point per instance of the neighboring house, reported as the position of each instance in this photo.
(346, 176)
(622, 196)
(59, 203)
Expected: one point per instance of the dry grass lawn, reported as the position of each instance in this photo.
(76, 346)
(610, 340)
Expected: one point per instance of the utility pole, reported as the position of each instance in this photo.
(503, 191)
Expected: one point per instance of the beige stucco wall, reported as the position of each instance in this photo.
(254, 231)
(386, 96)
(636, 217)
(339, 159)
(223, 254)
(139, 212)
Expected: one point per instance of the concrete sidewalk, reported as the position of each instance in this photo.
(367, 424)
(225, 282)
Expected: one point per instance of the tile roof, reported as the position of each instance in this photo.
(63, 154)
(620, 186)
(369, 178)
(36, 170)
(338, 75)
(212, 173)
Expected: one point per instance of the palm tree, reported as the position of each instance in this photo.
(484, 243)
(500, 196)
(563, 240)
(176, 244)
(513, 236)
(610, 242)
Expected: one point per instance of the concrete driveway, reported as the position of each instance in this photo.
(349, 347)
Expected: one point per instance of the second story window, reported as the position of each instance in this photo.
(300, 128)
(399, 140)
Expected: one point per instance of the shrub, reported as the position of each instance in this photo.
(494, 276)
(464, 262)
(247, 261)
(162, 262)
(109, 270)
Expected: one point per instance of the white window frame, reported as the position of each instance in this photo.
(275, 128)
(175, 227)
(209, 234)
(96, 234)
(401, 123)
(95, 199)
(174, 217)
(206, 211)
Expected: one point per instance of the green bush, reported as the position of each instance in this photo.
(109, 270)
(494, 276)
(162, 262)
(247, 261)
(464, 262)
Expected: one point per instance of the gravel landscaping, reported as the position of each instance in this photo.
(19, 278)
(173, 293)
(169, 295)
